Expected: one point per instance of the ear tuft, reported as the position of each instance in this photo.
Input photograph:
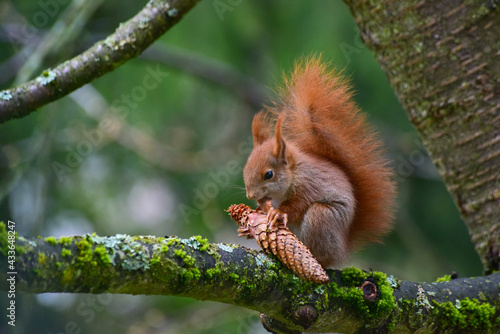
(260, 129)
(280, 147)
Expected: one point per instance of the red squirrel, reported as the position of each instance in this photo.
(317, 165)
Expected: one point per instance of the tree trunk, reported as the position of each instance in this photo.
(443, 60)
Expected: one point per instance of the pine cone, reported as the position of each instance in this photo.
(280, 241)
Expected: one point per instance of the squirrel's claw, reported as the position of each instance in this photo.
(275, 217)
(264, 205)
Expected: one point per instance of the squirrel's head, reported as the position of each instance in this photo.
(268, 172)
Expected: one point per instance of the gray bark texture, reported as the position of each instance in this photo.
(442, 59)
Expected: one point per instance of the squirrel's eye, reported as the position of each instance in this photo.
(268, 175)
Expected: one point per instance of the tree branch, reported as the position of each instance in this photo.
(354, 302)
(211, 70)
(129, 40)
(67, 27)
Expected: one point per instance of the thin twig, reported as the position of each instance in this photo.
(244, 87)
(65, 29)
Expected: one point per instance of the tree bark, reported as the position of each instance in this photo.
(442, 58)
(354, 301)
(128, 41)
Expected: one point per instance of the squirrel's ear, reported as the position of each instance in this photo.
(260, 129)
(280, 147)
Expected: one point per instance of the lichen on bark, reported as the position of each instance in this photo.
(354, 301)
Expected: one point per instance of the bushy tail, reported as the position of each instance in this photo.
(320, 116)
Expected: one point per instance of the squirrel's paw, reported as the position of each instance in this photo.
(275, 217)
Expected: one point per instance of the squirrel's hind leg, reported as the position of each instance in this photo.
(324, 230)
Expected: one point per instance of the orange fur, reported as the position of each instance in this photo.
(328, 172)
(322, 119)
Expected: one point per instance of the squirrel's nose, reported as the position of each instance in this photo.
(250, 195)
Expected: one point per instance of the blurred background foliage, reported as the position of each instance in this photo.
(170, 159)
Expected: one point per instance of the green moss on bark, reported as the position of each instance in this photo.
(466, 314)
(51, 241)
(4, 245)
(351, 293)
(6, 235)
(444, 278)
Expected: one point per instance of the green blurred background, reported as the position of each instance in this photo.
(184, 110)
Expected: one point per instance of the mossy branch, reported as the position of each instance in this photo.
(355, 301)
(128, 41)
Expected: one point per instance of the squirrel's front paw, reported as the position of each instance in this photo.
(275, 216)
